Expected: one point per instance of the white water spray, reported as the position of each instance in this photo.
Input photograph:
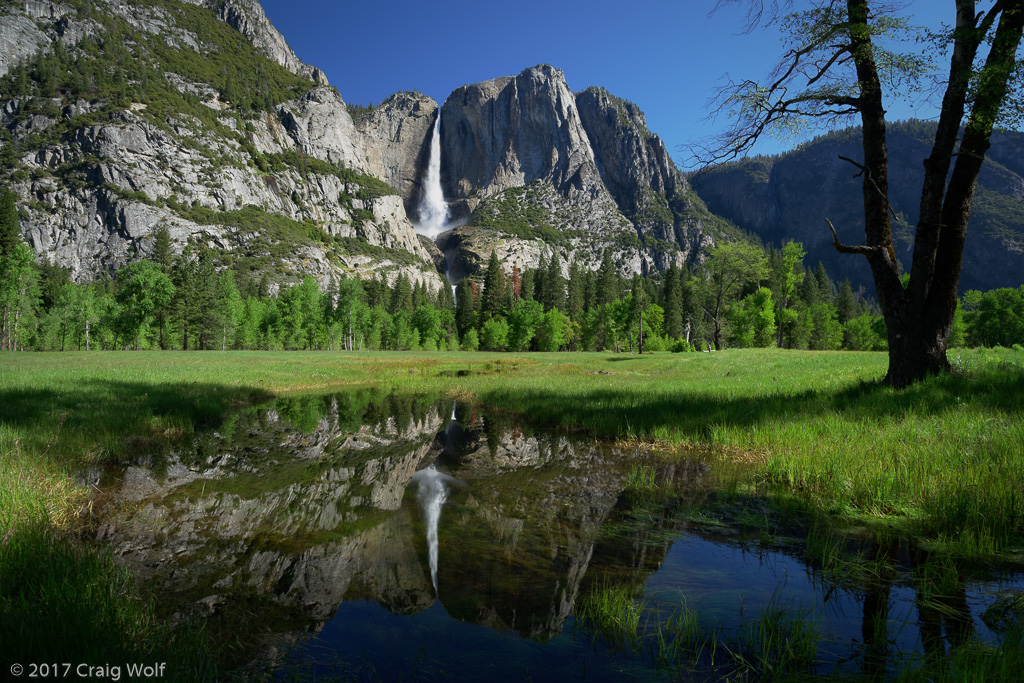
(432, 494)
(434, 215)
(433, 207)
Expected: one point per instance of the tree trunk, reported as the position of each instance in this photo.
(641, 343)
(919, 318)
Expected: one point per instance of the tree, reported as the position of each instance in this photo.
(401, 295)
(19, 294)
(144, 290)
(465, 313)
(494, 296)
(494, 334)
(787, 273)
(194, 280)
(836, 70)
(551, 334)
(672, 301)
(523, 321)
(163, 254)
(10, 224)
(607, 285)
(228, 307)
(554, 285)
(729, 268)
(574, 294)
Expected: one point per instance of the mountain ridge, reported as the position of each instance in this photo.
(208, 124)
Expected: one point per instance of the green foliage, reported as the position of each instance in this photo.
(494, 335)
(144, 291)
(861, 334)
(470, 341)
(995, 318)
(10, 223)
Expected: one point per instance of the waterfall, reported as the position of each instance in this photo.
(433, 217)
(432, 494)
(433, 213)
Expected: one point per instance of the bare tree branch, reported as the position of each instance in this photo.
(864, 249)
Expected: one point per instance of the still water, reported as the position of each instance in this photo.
(371, 536)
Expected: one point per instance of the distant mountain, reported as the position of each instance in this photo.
(788, 198)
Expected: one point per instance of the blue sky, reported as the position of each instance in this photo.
(665, 55)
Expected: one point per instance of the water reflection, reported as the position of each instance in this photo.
(432, 494)
(318, 521)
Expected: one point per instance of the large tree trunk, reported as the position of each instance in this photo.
(919, 319)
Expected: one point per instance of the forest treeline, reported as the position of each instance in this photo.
(741, 296)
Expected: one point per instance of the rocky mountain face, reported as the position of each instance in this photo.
(530, 167)
(788, 198)
(118, 118)
(275, 174)
(282, 181)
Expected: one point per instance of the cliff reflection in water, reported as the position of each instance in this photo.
(288, 510)
(308, 524)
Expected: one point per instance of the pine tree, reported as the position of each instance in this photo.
(607, 281)
(445, 300)
(401, 296)
(527, 287)
(826, 288)
(494, 290)
(163, 256)
(465, 315)
(589, 290)
(846, 302)
(575, 294)
(10, 223)
(554, 285)
(672, 302)
(539, 277)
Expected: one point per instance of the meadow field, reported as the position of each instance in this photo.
(803, 440)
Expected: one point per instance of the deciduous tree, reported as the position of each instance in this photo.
(839, 67)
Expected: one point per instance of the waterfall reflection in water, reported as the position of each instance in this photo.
(432, 494)
(303, 517)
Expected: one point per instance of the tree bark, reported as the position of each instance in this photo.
(919, 318)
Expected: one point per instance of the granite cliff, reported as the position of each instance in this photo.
(155, 125)
(530, 167)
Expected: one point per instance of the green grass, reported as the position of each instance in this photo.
(801, 439)
(781, 643)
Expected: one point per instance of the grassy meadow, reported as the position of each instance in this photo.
(807, 439)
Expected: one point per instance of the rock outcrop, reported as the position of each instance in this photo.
(509, 132)
(396, 143)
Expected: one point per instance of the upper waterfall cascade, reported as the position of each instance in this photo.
(433, 214)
